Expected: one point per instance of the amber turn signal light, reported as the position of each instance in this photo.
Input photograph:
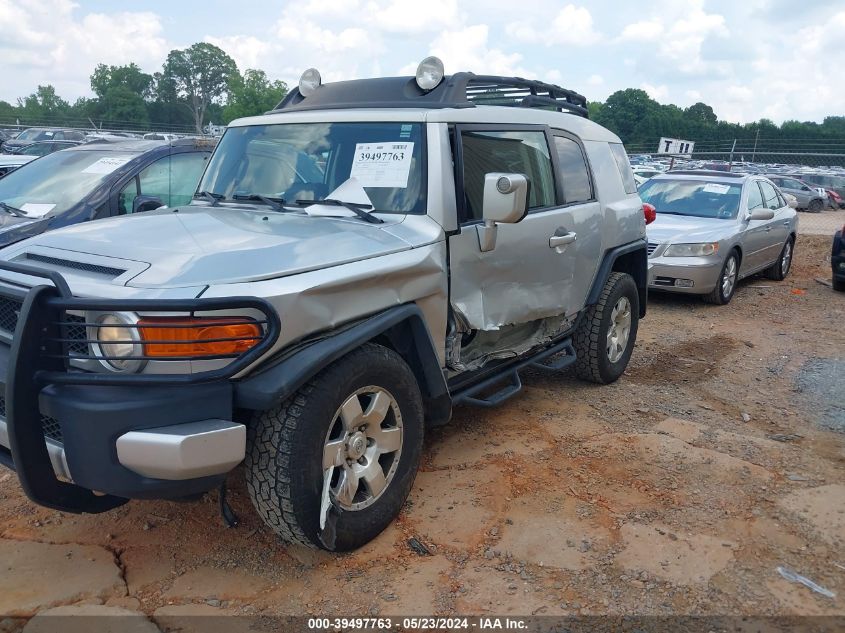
(166, 337)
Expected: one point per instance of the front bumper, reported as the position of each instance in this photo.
(69, 433)
(690, 275)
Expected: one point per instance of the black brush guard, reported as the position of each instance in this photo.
(39, 357)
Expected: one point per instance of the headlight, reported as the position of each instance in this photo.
(691, 250)
(116, 343)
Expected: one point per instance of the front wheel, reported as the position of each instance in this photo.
(605, 337)
(815, 206)
(726, 285)
(332, 466)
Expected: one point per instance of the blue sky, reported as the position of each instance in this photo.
(746, 58)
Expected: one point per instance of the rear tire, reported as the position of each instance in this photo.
(838, 285)
(604, 340)
(726, 285)
(337, 411)
(780, 269)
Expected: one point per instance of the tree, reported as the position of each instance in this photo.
(201, 75)
(251, 94)
(701, 113)
(131, 77)
(632, 114)
(43, 104)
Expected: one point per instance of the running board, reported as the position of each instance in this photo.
(510, 373)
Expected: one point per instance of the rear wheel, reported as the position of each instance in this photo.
(839, 285)
(726, 285)
(780, 269)
(332, 466)
(606, 335)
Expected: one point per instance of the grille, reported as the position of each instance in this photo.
(50, 426)
(652, 246)
(75, 329)
(9, 312)
(66, 263)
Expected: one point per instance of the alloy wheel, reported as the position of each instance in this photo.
(619, 330)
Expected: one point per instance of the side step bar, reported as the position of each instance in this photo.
(510, 373)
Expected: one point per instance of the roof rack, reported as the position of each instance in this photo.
(461, 90)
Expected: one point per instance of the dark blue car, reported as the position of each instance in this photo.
(99, 180)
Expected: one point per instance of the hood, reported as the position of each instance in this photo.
(202, 245)
(681, 229)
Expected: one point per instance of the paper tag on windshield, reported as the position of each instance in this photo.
(37, 209)
(714, 187)
(382, 164)
(106, 165)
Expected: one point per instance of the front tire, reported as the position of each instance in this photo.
(780, 269)
(357, 425)
(606, 335)
(726, 285)
(815, 206)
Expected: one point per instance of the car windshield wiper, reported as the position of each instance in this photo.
(277, 204)
(13, 210)
(213, 198)
(356, 208)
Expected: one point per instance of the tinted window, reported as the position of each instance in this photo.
(624, 166)
(770, 196)
(695, 198)
(508, 152)
(755, 198)
(573, 171)
(172, 178)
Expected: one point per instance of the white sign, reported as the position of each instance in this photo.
(675, 146)
(106, 165)
(714, 187)
(37, 209)
(382, 164)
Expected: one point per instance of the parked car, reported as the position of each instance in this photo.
(160, 136)
(42, 148)
(713, 229)
(357, 261)
(95, 181)
(10, 162)
(808, 198)
(830, 181)
(30, 135)
(836, 201)
(837, 260)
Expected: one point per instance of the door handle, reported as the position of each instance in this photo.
(561, 240)
(768, 229)
(786, 222)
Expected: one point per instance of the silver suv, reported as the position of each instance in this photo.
(355, 263)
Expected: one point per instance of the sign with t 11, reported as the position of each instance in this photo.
(675, 146)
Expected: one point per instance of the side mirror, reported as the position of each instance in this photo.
(761, 214)
(505, 201)
(146, 203)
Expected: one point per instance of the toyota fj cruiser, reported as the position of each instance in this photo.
(356, 262)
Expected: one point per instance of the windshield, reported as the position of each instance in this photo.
(695, 198)
(55, 183)
(307, 161)
(31, 134)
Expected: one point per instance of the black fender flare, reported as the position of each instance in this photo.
(635, 256)
(401, 328)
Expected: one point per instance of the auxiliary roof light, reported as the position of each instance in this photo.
(429, 73)
(309, 82)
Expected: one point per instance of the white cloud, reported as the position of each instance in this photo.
(645, 31)
(468, 48)
(658, 93)
(595, 80)
(572, 25)
(44, 41)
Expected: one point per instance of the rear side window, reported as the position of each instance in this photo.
(770, 196)
(624, 165)
(573, 171)
(508, 152)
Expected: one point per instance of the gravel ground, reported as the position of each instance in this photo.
(679, 490)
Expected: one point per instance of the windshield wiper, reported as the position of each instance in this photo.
(213, 198)
(356, 208)
(13, 210)
(277, 204)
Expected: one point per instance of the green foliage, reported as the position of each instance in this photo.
(252, 93)
(201, 75)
